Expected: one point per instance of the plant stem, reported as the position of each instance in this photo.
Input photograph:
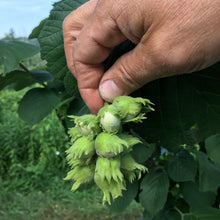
(180, 212)
(30, 73)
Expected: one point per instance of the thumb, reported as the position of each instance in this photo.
(130, 72)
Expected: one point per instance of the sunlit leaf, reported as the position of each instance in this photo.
(12, 52)
(51, 37)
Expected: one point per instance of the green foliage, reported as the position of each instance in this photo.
(182, 167)
(154, 191)
(59, 204)
(196, 198)
(42, 76)
(44, 102)
(51, 37)
(141, 152)
(187, 108)
(12, 52)
(212, 145)
(203, 214)
(10, 35)
(29, 154)
(209, 173)
(70, 84)
(121, 203)
(36, 31)
(18, 79)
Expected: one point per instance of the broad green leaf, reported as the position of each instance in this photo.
(154, 193)
(146, 215)
(51, 37)
(207, 213)
(56, 85)
(36, 31)
(42, 76)
(194, 197)
(70, 84)
(209, 174)
(187, 108)
(212, 145)
(169, 212)
(182, 167)
(190, 217)
(18, 79)
(141, 152)
(36, 104)
(78, 108)
(12, 52)
(128, 195)
(168, 215)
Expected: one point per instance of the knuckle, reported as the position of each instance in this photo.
(128, 76)
(170, 55)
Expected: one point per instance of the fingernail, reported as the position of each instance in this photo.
(109, 90)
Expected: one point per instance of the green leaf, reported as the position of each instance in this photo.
(12, 52)
(190, 217)
(128, 195)
(168, 215)
(78, 107)
(207, 213)
(18, 79)
(42, 76)
(70, 84)
(51, 37)
(212, 145)
(182, 167)
(154, 193)
(187, 108)
(146, 215)
(36, 31)
(56, 85)
(194, 197)
(209, 173)
(36, 104)
(141, 152)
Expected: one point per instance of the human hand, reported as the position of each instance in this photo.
(171, 37)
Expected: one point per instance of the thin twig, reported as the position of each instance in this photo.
(30, 73)
(180, 212)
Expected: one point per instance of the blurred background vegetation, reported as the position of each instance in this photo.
(32, 166)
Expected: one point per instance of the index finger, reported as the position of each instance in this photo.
(72, 26)
(91, 48)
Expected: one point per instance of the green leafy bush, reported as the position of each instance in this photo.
(29, 154)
